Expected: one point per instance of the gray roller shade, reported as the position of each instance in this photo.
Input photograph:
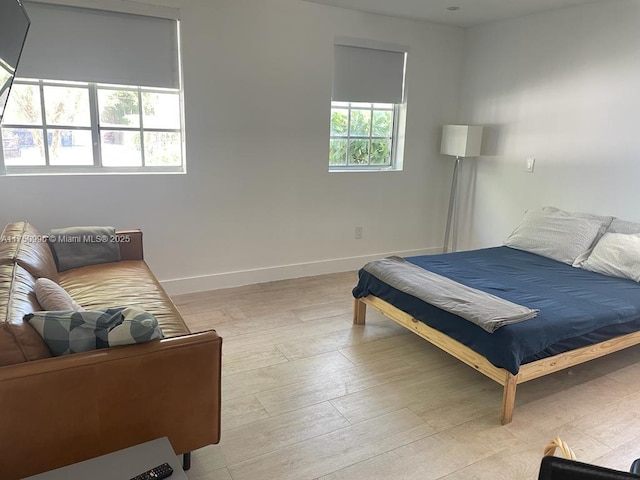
(78, 44)
(368, 75)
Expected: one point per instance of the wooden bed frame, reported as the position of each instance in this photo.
(529, 371)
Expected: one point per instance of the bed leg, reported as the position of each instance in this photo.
(509, 398)
(359, 312)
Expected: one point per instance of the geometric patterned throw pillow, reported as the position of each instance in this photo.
(68, 331)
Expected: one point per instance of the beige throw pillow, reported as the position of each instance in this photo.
(52, 297)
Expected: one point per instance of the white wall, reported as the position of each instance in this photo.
(258, 199)
(562, 87)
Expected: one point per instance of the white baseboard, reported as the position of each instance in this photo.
(283, 272)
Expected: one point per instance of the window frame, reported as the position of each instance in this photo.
(393, 164)
(96, 130)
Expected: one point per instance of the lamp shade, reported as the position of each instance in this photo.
(461, 140)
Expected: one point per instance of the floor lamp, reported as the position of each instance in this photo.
(459, 141)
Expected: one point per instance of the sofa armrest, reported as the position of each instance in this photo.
(64, 410)
(130, 243)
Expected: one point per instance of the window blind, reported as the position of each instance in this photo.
(368, 75)
(80, 44)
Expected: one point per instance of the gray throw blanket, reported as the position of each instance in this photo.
(75, 247)
(483, 309)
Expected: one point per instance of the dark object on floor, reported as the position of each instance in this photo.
(555, 468)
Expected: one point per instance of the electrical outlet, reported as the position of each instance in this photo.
(358, 233)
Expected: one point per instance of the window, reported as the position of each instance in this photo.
(361, 134)
(366, 109)
(133, 126)
(102, 94)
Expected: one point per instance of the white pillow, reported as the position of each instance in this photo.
(616, 255)
(555, 234)
(53, 297)
(623, 226)
(605, 223)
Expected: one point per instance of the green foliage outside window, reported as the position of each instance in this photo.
(338, 152)
(360, 123)
(360, 136)
(359, 152)
(339, 122)
(119, 108)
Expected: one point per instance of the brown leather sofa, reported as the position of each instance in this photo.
(55, 411)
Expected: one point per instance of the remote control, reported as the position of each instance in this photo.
(156, 473)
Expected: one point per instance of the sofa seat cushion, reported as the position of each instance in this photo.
(123, 284)
(19, 342)
(23, 244)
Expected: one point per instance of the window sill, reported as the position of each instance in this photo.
(75, 171)
(363, 169)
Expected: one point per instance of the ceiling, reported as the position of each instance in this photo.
(472, 12)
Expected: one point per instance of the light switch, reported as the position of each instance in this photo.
(531, 163)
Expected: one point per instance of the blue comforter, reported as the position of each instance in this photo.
(577, 307)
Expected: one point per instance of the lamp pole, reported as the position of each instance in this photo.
(452, 203)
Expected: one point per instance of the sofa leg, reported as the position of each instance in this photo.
(186, 461)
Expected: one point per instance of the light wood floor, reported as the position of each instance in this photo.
(307, 395)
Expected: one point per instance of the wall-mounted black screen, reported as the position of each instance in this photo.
(14, 24)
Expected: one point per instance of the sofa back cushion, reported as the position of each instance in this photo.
(19, 342)
(23, 244)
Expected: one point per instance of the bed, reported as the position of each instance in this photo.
(582, 315)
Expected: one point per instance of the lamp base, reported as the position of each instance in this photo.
(453, 206)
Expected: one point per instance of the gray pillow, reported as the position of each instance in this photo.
(74, 247)
(69, 331)
(555, 234)
(616, 255)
